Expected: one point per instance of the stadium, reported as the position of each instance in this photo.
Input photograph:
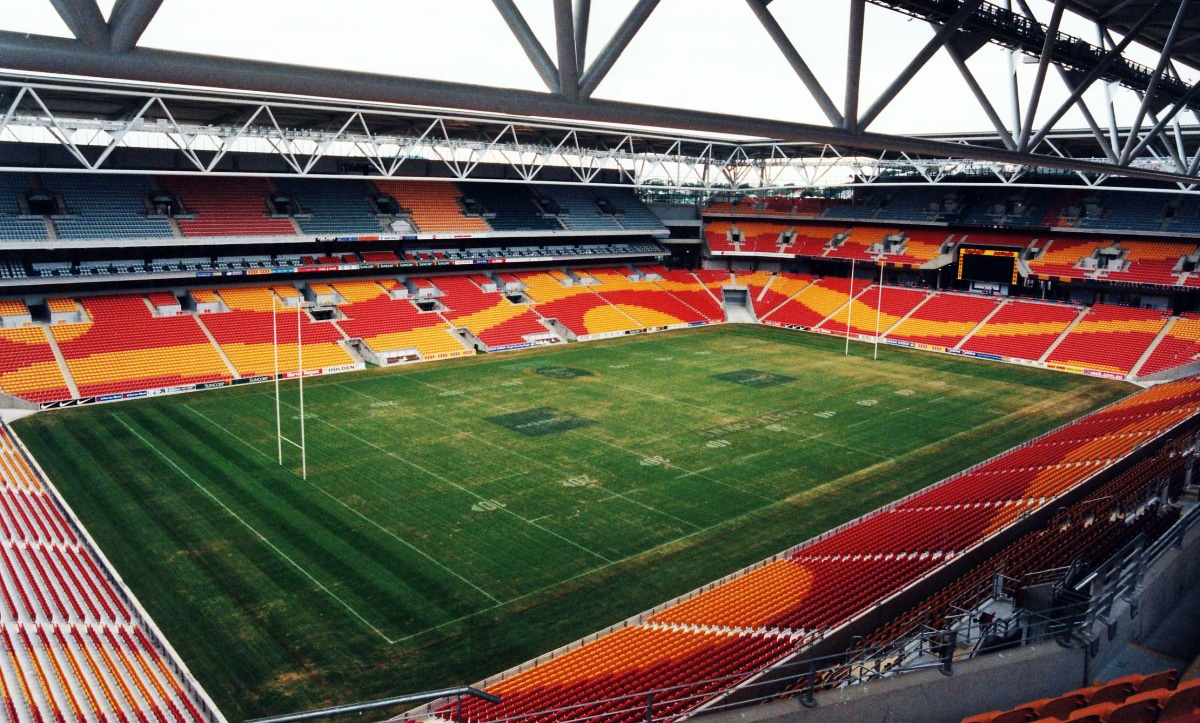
(518, 362)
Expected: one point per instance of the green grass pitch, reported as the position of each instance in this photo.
(463, 517)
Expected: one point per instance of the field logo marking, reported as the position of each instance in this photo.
(539, 421)
(717, 443)
(753, 378)
(563, 372)
(580, 480)
(488, 506)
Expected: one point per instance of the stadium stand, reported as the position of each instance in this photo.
(225, 206)
(1151, 262)
(920, 247)
(690, 290)
(583, 312)
(717, 234)
(104, 207)
(1130, 699)
(630, 211)
(863, 244)
(123, 347)
(13, 226)
(28, 368)
(243, 328)
(944, 320)
(769, 291)
(809, 240)
(1109, 339)
(818, 586)
(432, 206)
(816, 301)
(492, 318)
(644, 301)
(1021, 330)
(1132, 212)
(874, 311)
(331, 206)
(578, 210)
(1113, 340)
(1060, 258)
(996, 239)
(393, 327)
(510, 207)
(1179, 345)
(71, 642)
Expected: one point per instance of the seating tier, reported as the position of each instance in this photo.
(28, 368)
(123, 347)
(107, 207)
(492, 318)
(1109, 338)
(1022, 330)
(944, 320)
(393, 325)
(226, 206)
(874, 311)
(1179, 346)
(815, 302)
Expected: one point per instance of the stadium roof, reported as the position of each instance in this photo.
(1152, 144)
(1120, 16)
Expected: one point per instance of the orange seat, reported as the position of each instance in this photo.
(1024, 714)
(1139, 709)
(1165, 680)
(1184, 702)
(1060, 707)
(1097, 713)
(1115, 691)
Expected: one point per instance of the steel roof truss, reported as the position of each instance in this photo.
(1092, 75)
(63, 136)
(918, 61)
(1148, 99)
(12, 109)
(227, 142)
(120, 134)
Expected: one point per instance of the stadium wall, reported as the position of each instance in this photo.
(1001, 680)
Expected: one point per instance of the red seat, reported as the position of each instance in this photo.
(1184, 702)
(1139, 709)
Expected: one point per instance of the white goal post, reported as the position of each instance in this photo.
(280, 439)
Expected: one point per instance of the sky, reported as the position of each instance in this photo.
(697, 54)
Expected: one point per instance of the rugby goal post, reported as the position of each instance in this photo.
(280, 438)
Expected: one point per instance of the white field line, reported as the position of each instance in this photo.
(366, 519)
(639, 455)
(531, 460)
(454, 484)
(255, 532)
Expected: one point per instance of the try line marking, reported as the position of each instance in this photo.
(248, 526)
(366, 519)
